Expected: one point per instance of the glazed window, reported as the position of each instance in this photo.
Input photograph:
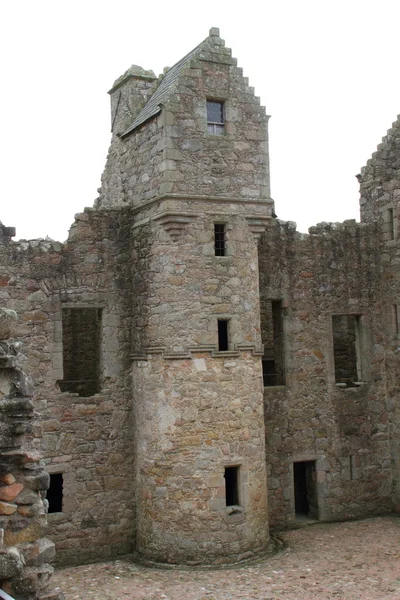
(215, 117)
(231, 486)
(219, 239)
(81, 330)
(55, 493)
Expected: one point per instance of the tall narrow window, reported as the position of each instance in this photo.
(346, 331)
(390, 224)
(273, 361)
(223, 337)
(215, 117)
(232, 486)
(395, 319)
(55, 493)
(81, 329)
(219, 239)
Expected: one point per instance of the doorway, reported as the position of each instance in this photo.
(305, 489)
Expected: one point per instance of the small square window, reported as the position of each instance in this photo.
(215, 117)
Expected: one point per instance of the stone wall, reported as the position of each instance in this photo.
(344, 430)
(379, 202)
(172, 152)
(198, 410)
(87, 439)
(24, 552)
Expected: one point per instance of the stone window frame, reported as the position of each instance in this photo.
(390, 223)
(363, 353)
(321, 467)
(68, 501)
(109, 332)
(216, 125)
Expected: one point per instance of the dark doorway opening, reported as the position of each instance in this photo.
(305, 491)
(55, 493)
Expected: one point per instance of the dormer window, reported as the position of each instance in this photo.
(215, 117)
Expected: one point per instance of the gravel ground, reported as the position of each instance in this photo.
(338, 561)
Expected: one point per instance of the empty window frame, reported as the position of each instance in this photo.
(215, 117)
(273, 361)
(55, 493)
(395, 319)
(390, 223)
(81, 350)
(346, 331)
(232, 486)
(223, 335)
(219, 239)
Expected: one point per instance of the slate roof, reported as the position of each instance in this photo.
(153, 106)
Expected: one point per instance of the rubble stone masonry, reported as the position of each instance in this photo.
(145, 339)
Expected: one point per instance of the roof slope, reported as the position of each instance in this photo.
(153, 107)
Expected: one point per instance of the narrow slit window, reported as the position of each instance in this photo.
(273, 361)
(395, 319)
(215, 117)
(390, 224)
(223, 335)
(219, 239)
(81, 328)
(346, 331)
(55, 493)
(232, 486)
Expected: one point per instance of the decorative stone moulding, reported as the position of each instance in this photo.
(257, 225)
(175, 222)
(188, 354)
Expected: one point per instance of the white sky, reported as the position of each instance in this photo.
(327, 72)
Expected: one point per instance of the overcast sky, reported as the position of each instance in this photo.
(327, 73)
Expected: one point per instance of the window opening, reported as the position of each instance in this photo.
(390, 225)
(55, 493)
(223, 338)
(81, 350)
(232, 486)
(305, 490)
(219, 239)
(215, 117)
(273, 361)
(395, 318)
(346, 348)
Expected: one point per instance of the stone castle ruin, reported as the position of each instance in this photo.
(202, 370)
(24, 553)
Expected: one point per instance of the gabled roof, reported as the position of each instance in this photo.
(153, 106)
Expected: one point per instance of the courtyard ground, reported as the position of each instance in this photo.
(339, 561)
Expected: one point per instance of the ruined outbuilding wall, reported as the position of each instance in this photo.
(86, 439)
(24, 552)
(337, 269)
